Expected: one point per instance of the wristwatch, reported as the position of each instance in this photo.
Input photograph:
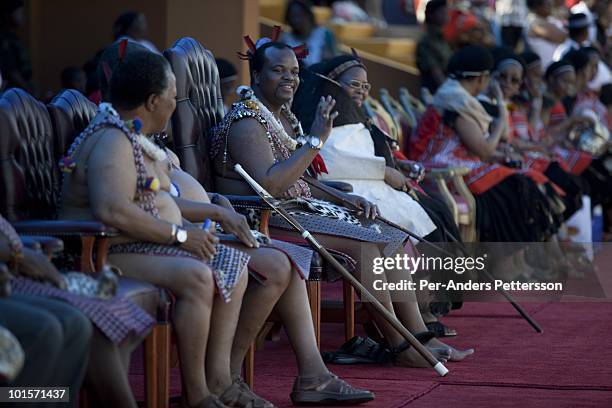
(315, 143)
(179, 235)
(301, 140)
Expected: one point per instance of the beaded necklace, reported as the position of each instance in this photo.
(251, 107)
(145, 186)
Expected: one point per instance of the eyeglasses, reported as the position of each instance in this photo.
(366, 86)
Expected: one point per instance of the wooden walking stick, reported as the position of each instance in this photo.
(393, 321)
(332, 191)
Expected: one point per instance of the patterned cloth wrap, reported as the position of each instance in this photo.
(227, 265)
(117, 318)
(316, 216)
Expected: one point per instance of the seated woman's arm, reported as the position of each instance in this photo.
(112, 189)
(472, 136)
(223, 213)
(32, 264)
(547, 31)
(525, 145)
(197, 211)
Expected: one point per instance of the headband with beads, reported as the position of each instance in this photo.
(300, 51)
(340, 69)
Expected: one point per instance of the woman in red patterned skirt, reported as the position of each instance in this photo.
(456, 130)
(598, 176)
(523, 137)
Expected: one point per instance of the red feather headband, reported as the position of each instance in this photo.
(301, 51)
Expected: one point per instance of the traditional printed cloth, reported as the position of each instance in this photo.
(316, 216)
(519, 127)
(117, 317)
(230, 262)
(573, 160)
(227, 265)
(437, 142)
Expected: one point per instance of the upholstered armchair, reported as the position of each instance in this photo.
(30, 144)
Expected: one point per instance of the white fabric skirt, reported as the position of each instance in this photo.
(349, 157)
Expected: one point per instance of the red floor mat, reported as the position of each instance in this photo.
(499, 397)
(567, 366)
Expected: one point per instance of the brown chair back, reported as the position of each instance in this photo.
(199, 106)
(70, 113)
(29, 175)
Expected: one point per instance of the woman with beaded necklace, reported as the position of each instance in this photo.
(115, 175)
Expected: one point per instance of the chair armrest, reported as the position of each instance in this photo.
(51, 246)
(247, 202)
(92, 234)
(65, 228)
(339, 185)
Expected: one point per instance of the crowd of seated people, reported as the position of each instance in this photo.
(503, 116)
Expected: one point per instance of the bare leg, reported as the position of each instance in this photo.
(106, 376)
(406, 309)
(259, 300)
(127, 348)
(295, 315)
(287, 290)
(192, 283)
(223, 326)
(364, 253)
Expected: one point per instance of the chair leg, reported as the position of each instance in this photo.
(313, 287)
(349, 310)
(249, 366)
(157, 367)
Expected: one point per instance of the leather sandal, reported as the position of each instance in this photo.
(239, 395)
(327, 390)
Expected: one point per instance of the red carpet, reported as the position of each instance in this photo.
(567, 366)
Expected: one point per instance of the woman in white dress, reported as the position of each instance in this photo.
(356, 153)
